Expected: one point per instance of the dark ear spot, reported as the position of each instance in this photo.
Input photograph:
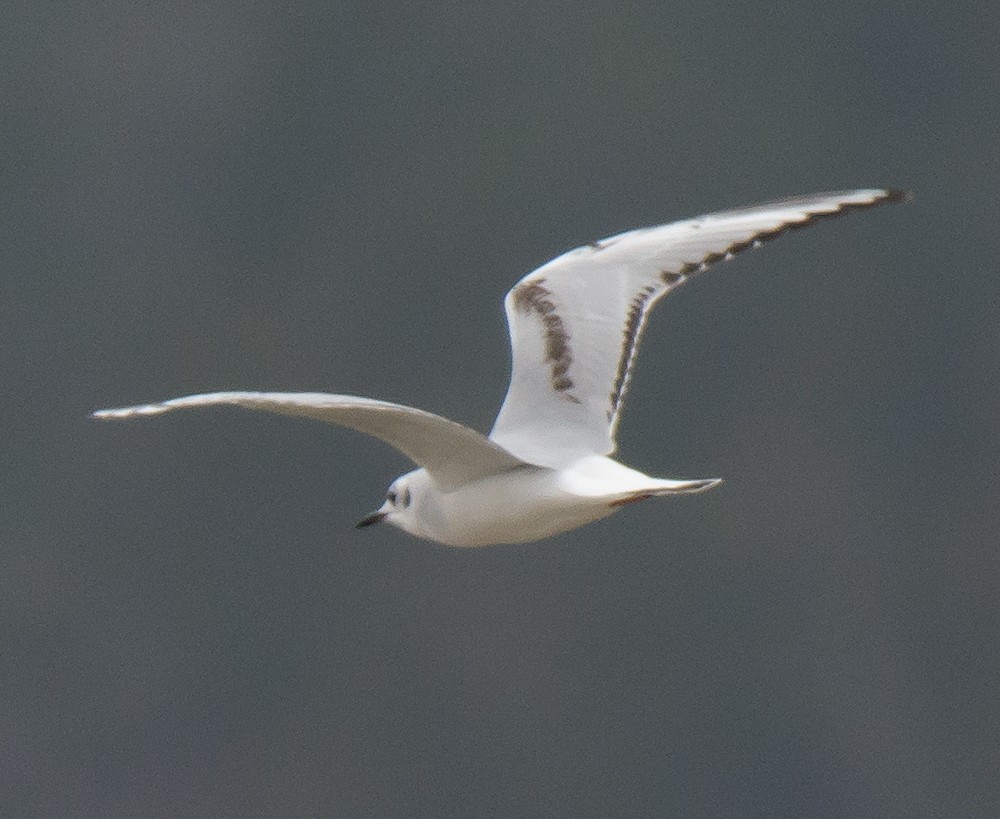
(406, 497)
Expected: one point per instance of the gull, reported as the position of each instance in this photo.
(575, 325)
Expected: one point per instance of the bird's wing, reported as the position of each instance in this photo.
(575, 322)
(452, 453)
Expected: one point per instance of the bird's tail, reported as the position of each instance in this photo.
(668, 487)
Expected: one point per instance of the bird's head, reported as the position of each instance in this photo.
(402, 500)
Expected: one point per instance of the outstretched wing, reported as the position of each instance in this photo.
(452, 453)
(575, 322)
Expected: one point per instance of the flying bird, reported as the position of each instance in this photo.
(575, 325)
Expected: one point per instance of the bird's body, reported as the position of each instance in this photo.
(528, 502)
(575, 326)
(524, 504)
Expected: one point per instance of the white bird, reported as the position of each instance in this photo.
(575, 325)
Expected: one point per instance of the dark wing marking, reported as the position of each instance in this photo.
(643, 301)
(634, 321)
(532, 297)
(755, 241)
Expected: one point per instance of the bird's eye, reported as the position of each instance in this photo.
(406, 497)
(391, 497)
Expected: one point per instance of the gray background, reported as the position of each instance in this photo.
(335, 197)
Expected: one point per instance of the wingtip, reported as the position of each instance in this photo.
(893, 195)
(128, 412)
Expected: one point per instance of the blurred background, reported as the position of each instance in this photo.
(336, 197)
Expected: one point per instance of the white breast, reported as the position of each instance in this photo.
(519, 506)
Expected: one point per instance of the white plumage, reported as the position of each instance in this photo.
(575, 326)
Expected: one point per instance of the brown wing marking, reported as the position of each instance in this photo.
(634, 320)
(533, 297)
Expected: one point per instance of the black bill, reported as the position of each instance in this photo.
(368, 521)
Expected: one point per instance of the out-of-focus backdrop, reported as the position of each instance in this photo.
(335, 197)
